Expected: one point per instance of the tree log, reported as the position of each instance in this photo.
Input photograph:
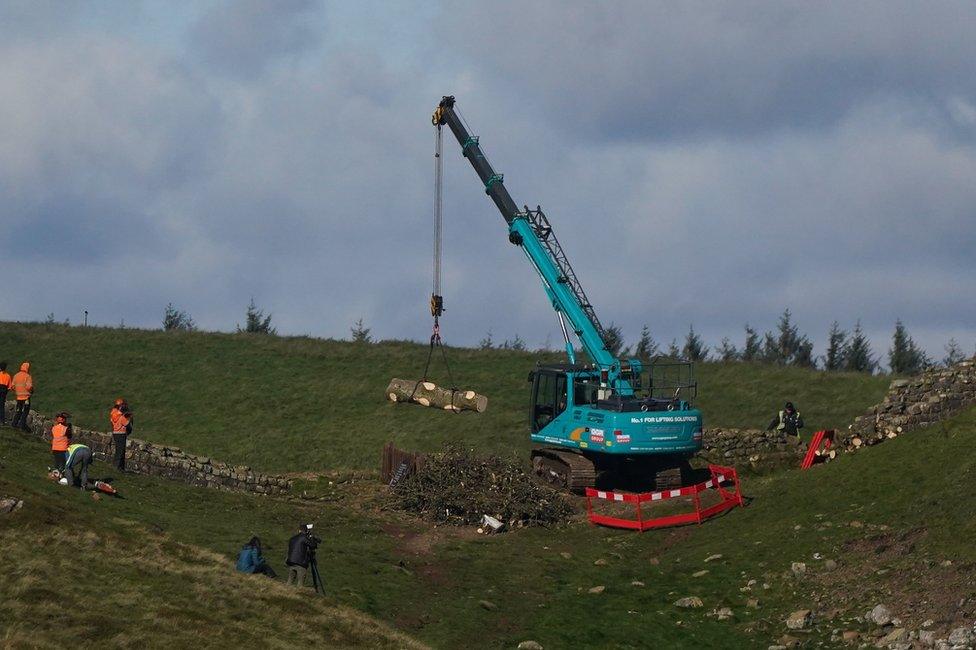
(427, 393)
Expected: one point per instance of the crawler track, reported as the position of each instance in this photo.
(564, 469)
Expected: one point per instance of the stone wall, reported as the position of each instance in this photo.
(751, 448)
(917, 402)
(168, 462)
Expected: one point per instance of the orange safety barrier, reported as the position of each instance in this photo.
(825, 438)
(720, 477)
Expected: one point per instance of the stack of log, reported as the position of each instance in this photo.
(426, 393)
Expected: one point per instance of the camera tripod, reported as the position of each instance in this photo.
(313, 566)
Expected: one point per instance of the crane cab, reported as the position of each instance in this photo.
(572, 410)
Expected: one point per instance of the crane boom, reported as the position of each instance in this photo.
(531, 230)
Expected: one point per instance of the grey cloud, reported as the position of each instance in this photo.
(663, 70)
(310, 188)
(244, 37)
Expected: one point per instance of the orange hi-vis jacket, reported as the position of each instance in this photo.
(5, 380)
(119, 421)
(59, 437)
(23, 383)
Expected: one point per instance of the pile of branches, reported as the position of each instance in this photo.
(459, 488)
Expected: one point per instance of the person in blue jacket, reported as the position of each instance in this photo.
(250, 559)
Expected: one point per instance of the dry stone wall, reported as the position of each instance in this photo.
(751, 448)
(917, 402)
(168, 462)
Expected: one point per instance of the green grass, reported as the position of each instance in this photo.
(425, 581)
(429, 582)
(299, 404)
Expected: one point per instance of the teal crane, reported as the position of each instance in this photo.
(588, 422)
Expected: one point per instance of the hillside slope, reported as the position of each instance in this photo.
(300, 404)
(133, 572)
(892, 516)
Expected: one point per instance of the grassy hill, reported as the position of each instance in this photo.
(158, 564)
(300, 404)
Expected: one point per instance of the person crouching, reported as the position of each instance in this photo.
(251, 560)
(76, 466)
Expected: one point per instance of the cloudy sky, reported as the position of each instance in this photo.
(702, 163)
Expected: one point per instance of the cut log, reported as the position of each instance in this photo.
(427, 393)
(856, 442)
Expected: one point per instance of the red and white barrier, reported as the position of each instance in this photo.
(722, 478)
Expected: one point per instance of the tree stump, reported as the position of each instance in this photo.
(431, 395)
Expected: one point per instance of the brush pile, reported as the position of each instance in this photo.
(456, 487)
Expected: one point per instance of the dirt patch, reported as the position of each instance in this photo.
(887, 568)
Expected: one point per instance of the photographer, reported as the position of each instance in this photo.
(301, 554)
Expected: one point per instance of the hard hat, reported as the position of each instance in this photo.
(63, 481)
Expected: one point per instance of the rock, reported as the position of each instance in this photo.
(798, 568)
(10, 504)
(698, 574)
(600, 562)
(850, 636)
(830, 565)
(753, 603)
(712, 558)
(530, 645)
(926, 637)
(96, 496)
(566, 556)
(724, 613)
(487, 604)
(636, 583)
(896, 635)
(799, 620)
(788, 641)
(960, 636)
(599, 589)
(856, 524)
(654, 561)
(689, 602)
(880, 615)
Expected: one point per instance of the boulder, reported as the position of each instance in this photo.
(689, 602)
(880, 615)
(799, 620)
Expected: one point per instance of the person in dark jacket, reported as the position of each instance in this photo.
(250, 559)
(788, 420)
(301, 552)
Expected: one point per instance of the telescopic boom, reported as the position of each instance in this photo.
(530, 230)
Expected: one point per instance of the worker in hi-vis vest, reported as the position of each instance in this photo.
(121, 419)
(23, 387)
(76, 466)
(788, 420)
(60, 440)
(6, 381)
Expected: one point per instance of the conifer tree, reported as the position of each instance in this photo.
(674, 352)
(615, 340)
(751, 350)
(646, 347)
(859, 357)
(953, 355)
(256, 322)
(836, 348)
(904, 357)
(694, 348)
(727, 351)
